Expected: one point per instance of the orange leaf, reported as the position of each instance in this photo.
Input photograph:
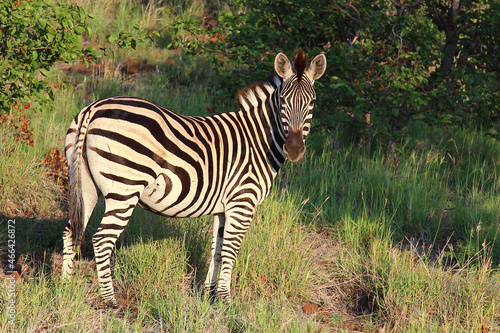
(483, 328)
(16, 275)
(310, 308)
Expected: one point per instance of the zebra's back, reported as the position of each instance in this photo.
(188, 166)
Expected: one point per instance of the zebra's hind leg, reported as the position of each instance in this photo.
(89, 195)
(213, 270)
(69, 252)
(119, 208)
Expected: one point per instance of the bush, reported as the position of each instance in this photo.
(34, 35)
(390, 63)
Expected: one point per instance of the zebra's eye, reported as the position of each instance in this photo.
(311, 104)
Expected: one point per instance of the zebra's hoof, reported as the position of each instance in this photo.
(111, 303)
(211, 294)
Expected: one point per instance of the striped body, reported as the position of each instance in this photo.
(136, 153)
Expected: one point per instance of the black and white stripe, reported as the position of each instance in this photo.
(136, 153)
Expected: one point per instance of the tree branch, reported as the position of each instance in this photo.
(337, 7)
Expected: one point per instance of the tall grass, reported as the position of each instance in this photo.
(427, 192)
(25, 188)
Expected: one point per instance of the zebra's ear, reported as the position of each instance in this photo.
(317, 67)
(282, 65)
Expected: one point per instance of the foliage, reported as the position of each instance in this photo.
(18, 127)
(34, 35)
(391, 63)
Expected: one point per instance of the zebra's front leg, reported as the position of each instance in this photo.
(213, 269)
(235, 228)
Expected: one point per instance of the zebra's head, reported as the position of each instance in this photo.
(297, 99)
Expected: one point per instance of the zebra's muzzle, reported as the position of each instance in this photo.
(294, 146)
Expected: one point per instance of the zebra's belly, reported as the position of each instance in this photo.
(168, 196)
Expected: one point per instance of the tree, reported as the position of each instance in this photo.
(391, 62)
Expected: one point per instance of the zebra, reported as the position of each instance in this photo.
(134, 152)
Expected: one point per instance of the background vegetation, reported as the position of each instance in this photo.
(389, 224)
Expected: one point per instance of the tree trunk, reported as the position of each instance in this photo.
(445, 16)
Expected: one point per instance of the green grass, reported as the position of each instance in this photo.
(444, 192)
(402, 240)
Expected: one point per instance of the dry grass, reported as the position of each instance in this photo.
(28, 190)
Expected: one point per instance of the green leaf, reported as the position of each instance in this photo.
(113, 38)
(51, 30)
(42, 22)
(44, 72)
(51, 94)
(79, 30)
(3, 65)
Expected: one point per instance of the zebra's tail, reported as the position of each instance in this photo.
(75, 141)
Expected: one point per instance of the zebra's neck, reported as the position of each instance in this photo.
(261, 105)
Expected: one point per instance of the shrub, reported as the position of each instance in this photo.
(34, 35)
(391, 63)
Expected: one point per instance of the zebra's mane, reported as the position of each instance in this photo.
(300, 64)
(256, 90)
